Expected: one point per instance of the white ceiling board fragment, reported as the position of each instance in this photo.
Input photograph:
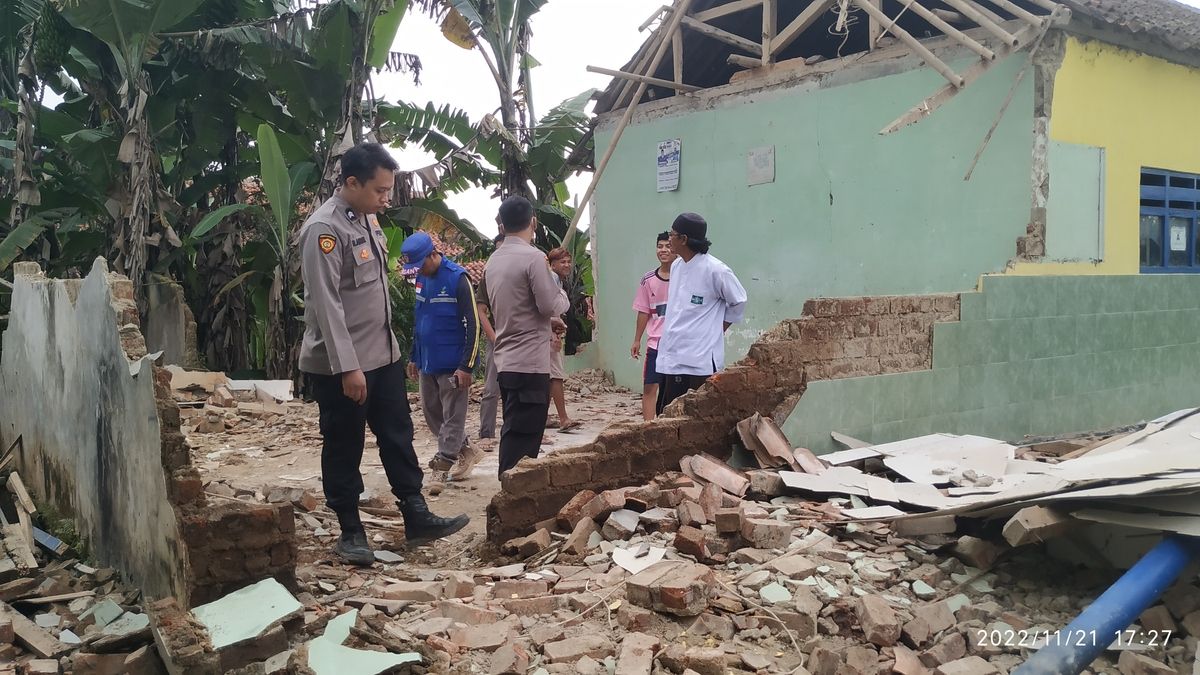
(1171, 418)
(820, 483)
(919, 494)
(1185, 503)
(874, 513)
(848, 456)
(1171, 449)
(937, 464)
(909, 444)
(246, 613)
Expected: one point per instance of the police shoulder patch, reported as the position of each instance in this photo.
(327, 242)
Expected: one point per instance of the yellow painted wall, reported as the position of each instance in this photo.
(1143, 111)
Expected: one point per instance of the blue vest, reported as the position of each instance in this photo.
(439, 331)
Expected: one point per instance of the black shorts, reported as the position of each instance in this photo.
(650, 374)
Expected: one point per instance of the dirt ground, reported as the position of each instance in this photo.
(259, 455)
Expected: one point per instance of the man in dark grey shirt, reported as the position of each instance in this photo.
(352, 358)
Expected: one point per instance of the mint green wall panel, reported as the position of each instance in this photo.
(851, 212)
(1075, 207)
(1011, 367)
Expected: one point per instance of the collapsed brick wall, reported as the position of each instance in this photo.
(166, 537)
(228, 543)
(834, 338)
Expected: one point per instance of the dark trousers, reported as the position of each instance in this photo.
(343, 429)
(526, 399)
(671, 387)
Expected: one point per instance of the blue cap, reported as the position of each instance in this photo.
(417, 246)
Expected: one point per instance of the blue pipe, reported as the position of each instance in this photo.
(1075, 647)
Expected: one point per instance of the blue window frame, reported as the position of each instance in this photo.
(1169, 239)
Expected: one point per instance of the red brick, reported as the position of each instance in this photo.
(637, 654)
(603, 504)
(879, 622)
(468, 614)
(519, 588)
(513, 657)
(576, 543)
(711, 498)
(415, 591)
(691, 541)
(729, 520)
(486, 638)
(690, 514)
(611, 466)
(571, 512)
(570, 470)
(948, 649)
(766, 533)
(573, 649)
(524, 478)
(547, 604)
(937, 615)
(459, 585)
(634, 618)
(676, 588)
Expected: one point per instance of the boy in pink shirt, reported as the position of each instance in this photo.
(650, 303)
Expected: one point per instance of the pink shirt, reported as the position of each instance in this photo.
(651, 298)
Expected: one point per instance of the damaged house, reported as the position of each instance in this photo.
(1026, 156)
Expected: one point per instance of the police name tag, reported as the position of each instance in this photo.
(697, 300)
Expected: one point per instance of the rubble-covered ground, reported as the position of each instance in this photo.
(676, 576)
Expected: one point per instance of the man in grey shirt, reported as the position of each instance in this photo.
(352, 358)
(524, 298)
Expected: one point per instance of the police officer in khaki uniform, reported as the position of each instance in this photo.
(352, 357)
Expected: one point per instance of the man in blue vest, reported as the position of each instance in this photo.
(445, 352)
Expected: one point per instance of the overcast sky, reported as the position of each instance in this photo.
(568, 36)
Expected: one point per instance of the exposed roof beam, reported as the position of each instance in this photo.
(642, 78)
(727, 9)
(800, 24)
(940, 24)
(968, 10)
(940, 97)
(1020, 12)
(724, 36)
(913, 43)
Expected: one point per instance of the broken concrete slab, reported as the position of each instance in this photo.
(328, 656)
(247, 613)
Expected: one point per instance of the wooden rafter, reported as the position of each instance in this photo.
(969, 10)
(912, 42)
(642, 78)
(941, 24)
(727, 9)
(724, 36)
(770, 18)
(800, 24)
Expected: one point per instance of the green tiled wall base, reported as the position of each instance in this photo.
(1031, 355)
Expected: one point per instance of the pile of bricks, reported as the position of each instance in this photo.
(835, 338)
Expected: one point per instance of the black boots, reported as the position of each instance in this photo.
(354, 549)
(421, 526)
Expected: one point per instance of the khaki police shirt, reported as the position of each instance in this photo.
(347, 308)
(523, 296)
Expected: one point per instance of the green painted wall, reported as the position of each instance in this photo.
(1075, 208)
(1031, 355)
(850, 212)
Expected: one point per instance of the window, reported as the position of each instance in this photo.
(1169, 237)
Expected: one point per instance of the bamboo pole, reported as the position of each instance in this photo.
(677, 56)
(940, 24)
(1020, 12)
(770, 19)
(727, 9)
(677, 15)
(915, 44)
(641, 78)
(800, 24)
(723, 35)
(973, 14)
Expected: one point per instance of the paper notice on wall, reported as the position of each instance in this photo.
(1178, 237)
(760, 165)
(668, 164)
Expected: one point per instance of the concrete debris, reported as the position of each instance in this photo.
(247, 613)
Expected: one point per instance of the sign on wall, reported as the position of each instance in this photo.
(668, 164)
(760, 165)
